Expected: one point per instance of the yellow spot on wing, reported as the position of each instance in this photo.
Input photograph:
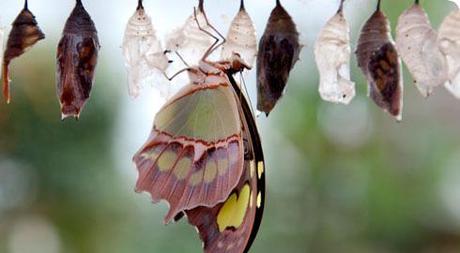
(166, 161)
(259, 200)
(196, 178)
(260, 169)
(234, 209)
(182, 168)
(210, 172)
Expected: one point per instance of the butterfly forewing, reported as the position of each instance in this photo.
(24, 34)
(76, 61)
(231, 226)
(194, 156)
(332, 55)
(380, 63)
(145, 60)
(416, 41)
(279, 50)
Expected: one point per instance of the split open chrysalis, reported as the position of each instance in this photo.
(449, 44)
(416, 41)
(76, 61)
(380, 63)
(333, 55)
(241, 38)
(279, 50)
(24, 34)
(188, 40)
(145, 60)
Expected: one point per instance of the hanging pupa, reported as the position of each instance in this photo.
(24, 34)
(76, 61)
(416, 41)
(241, 38)
(333, 55)
(279, 50)
(449, 44)
(189, 41)
(145, 60)
(380, 63)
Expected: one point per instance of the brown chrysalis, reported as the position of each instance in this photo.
(279, 50)
(380, 63)
(76, 61)
(24, 34)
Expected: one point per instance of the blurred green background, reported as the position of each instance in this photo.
(339, 178)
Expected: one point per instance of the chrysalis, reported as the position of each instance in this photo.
(145, 60)
(24, 34)
(332, 54)
(189, 41)
(76, 61)
(449, 44)
(279, 50)
(416, 41)
(241, 38)
(380, 63)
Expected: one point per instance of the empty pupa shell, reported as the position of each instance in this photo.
(416, 42)
(449, 44)
(24, 34)
(144, 56)
(189, 41)
(380, 63)
(333, 55)
(279, 50)
(76, 61)
(241, 38)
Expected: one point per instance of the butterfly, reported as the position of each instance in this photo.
(279, 50)
(204, 157)
(333, 55)
(76, 61)
(24, 34)
(416, 41)
(241, 38)
(145, 59)
(380, 63)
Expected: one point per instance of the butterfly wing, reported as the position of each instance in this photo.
(24, 34)
(279, 50)
(416, 41)
(332, 55)
(194, 156)
(232, 226)
(380, 63)
(76, 61)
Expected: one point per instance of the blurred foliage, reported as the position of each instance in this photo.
(340, 179)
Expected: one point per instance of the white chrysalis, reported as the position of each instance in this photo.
(333, 55)
(189, 41)
(144, 56)
(416, 41)
(241, 38)
(449, 44)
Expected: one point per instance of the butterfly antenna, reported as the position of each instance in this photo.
(140, 5)
(243, 83)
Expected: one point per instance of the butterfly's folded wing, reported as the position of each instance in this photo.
(231, 226)
(194, 156)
